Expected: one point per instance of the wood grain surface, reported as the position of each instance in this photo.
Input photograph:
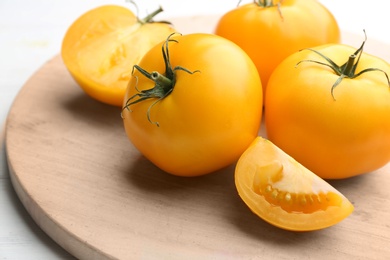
(86, 186)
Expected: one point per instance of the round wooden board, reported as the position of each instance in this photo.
(88, 188)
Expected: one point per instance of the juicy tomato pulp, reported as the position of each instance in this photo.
(284, 193)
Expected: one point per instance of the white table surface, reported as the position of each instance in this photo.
(31, 33)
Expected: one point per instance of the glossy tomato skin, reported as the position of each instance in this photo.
(100, 48)
(334, 136)
(269, 34)
(210, 117)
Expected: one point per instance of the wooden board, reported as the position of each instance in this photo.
(89, 189)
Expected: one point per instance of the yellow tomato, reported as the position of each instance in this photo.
(269, 31)
(196, 106)
(100, 48)
(328, 116)
(286, 194)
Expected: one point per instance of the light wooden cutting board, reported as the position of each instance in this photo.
(89, 189)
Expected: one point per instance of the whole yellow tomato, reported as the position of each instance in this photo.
(269, 31)
(194, 104)
(101, 46)
(329, 108)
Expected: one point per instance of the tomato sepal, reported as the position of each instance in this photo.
(348, 69)
(164, 84)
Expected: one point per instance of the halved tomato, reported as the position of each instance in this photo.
(101, 47)
(284, 193)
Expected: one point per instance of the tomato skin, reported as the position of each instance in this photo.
(335, 137)
(100, 48)
(269, 36)
(210, 117)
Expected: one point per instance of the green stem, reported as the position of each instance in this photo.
(349, 66)
(149, 17)
(264, 3)
(165, 83)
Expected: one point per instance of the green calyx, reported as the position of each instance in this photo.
(164, 83)
(348, 69)
(266, 3)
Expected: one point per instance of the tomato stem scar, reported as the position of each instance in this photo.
(164, 84)
(348, 69)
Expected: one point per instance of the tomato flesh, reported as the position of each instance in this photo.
(284, 193)
(290, 201)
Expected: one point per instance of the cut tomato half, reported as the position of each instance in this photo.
(284, 193)
(101, 47)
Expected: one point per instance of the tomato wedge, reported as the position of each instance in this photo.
(284, 193)
(101, 47)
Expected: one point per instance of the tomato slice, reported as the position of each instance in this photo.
(284, 193)
(101, 47)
